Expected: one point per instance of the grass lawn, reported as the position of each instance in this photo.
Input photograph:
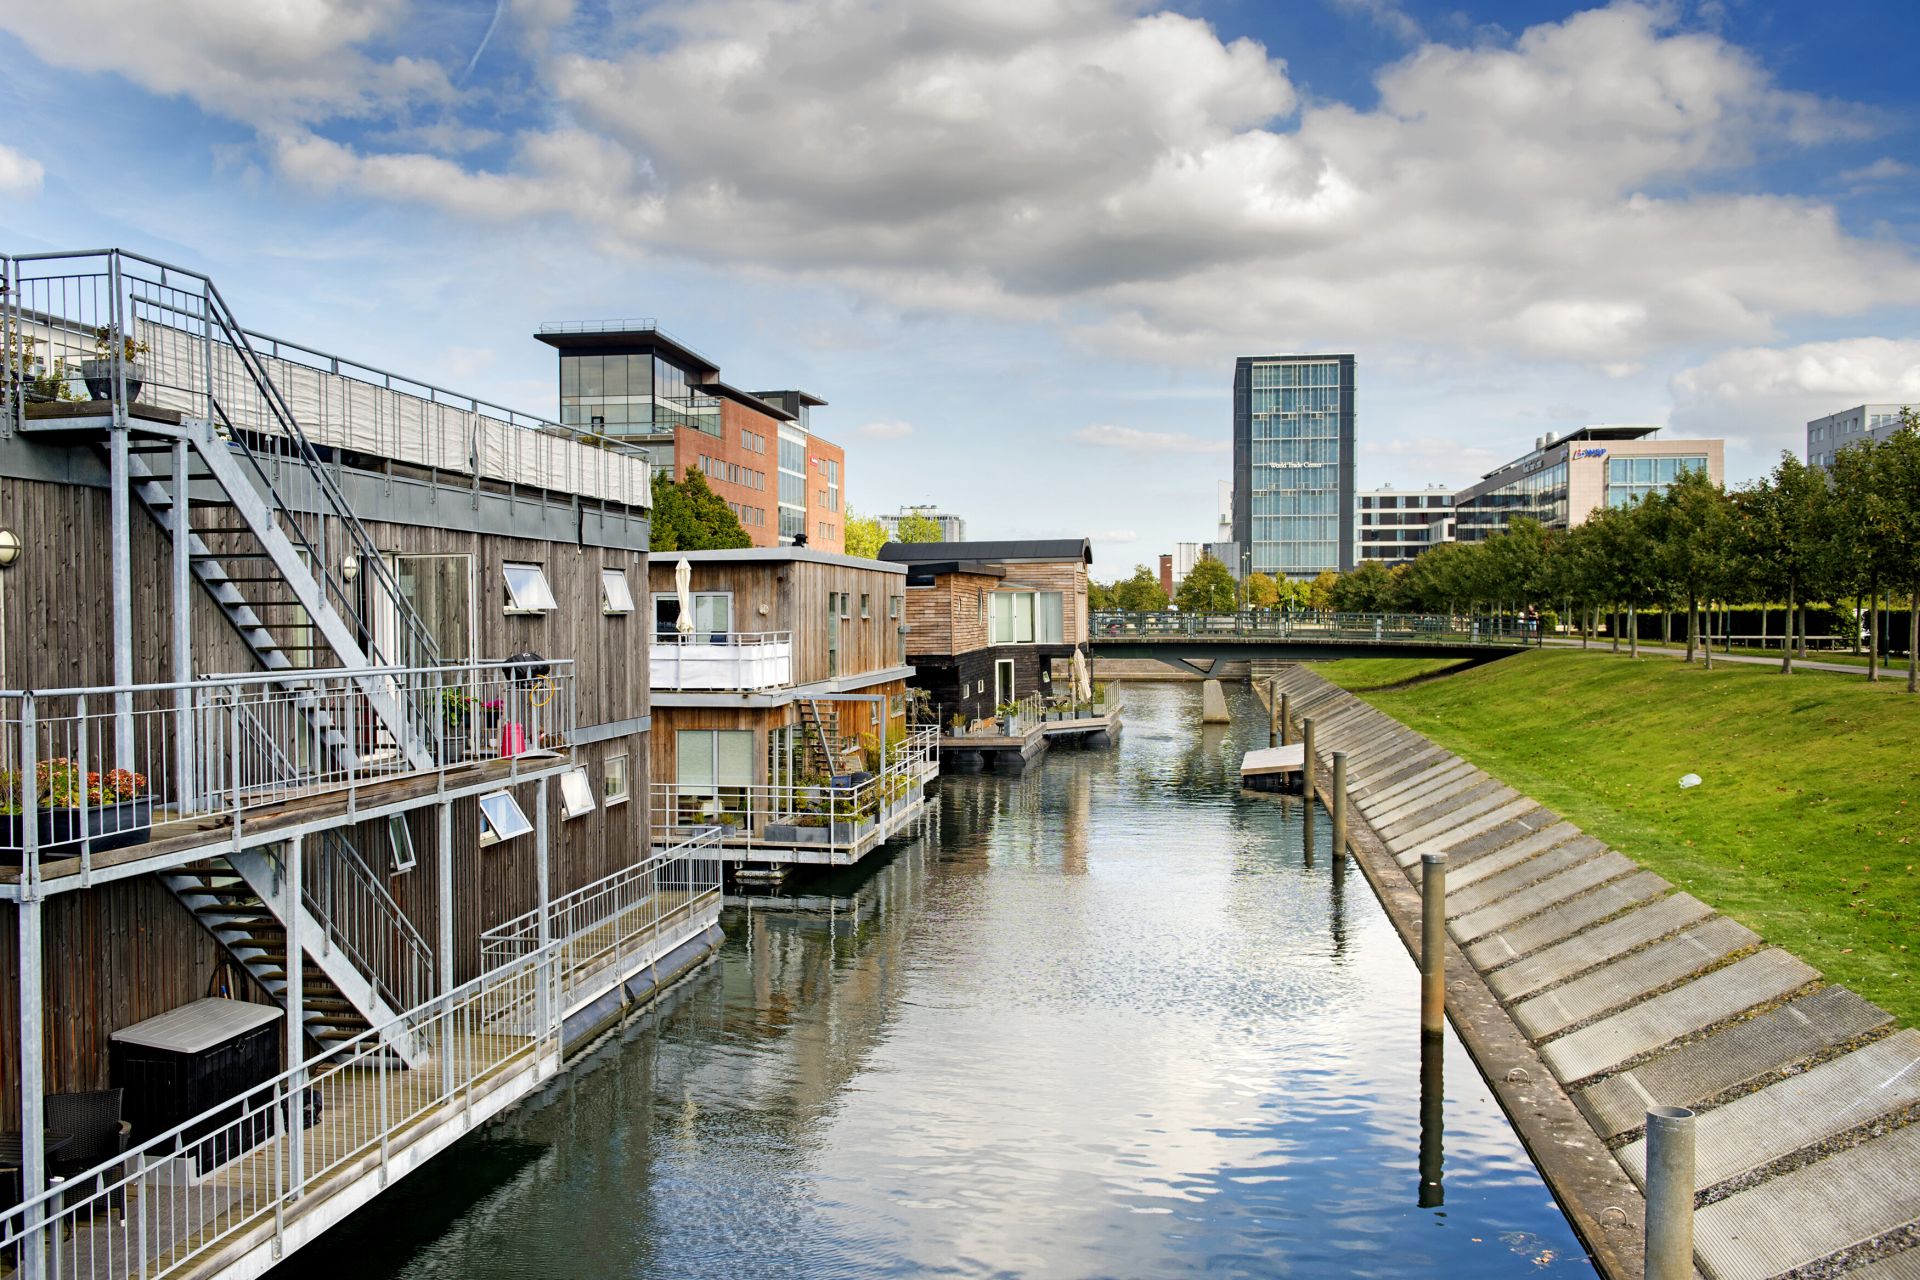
(1806, 827)
(1363, 675)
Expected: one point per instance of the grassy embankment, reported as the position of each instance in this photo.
(1806, 827)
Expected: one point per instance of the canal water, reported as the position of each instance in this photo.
(1112, 1018)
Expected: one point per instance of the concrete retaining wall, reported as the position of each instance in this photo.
(1626, 994)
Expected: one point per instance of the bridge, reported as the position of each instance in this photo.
(1197, 642)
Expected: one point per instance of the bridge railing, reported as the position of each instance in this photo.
(1283, 624)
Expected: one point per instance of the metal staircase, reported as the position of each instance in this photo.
(822, 747)
(364, 961)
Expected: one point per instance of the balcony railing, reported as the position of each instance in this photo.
(599, 923)
(736, 661)
(841, 820)
(230, 1178)
(1110, 624)
(83, 771)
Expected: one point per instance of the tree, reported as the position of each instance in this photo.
(689, 516)
(1141, 593)
(1320, 590)
(1207, 589)
(1262, 591)
(865, 536)
(1696, 546)
(1368, 589)
(1897, 478)
(919, 528)
(1788, 525)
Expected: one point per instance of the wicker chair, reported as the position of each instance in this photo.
(99, 1134)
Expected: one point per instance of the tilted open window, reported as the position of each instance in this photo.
(527, 589)
(576, 794)
(501, 818)
(616, 596)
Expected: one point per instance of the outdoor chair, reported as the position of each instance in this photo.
(99, 1134)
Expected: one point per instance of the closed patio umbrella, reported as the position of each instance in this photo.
(1082, 683)
(683, 588)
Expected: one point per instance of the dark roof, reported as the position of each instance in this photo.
(922, 573)
(1029, 551)
(624, 336)
(757, 403)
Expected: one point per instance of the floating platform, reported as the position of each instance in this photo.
(1274, 768)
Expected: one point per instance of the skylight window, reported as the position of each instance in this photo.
(576, 794)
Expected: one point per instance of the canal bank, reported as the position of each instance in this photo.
(1109, 1017)
(1590, 992)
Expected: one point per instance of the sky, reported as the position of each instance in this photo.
(1017, 244)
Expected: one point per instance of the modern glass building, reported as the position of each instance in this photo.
(1397, 525)
(1565, 479)
(1293, 496)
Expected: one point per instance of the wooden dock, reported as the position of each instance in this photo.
(1273, 768)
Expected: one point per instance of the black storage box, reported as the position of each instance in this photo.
(188, 1060)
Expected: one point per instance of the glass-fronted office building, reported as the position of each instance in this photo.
(1565, 479)
(1293, 455)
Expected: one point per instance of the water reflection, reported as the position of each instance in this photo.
(1105, 1019)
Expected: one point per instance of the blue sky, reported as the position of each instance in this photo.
(1017, 243)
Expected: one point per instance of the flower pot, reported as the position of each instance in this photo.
(98, 375)
(113, 826)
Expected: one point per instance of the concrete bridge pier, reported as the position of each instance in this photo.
(1213, 704)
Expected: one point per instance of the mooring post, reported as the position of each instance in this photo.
(1669, 1193)
(1306, 759)
(1433, 1122)
(1286, 717)
(1339, 805)
(1273, 713)
(1433, 943)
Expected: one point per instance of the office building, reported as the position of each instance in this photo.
(1396, 525)
(1564, 480)
(1827, 436)
(952, 528)
(1293, 450)
(631, 381)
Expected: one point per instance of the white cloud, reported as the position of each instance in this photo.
(1885, 169)
(1761, 398)
(1570, 195)
(1111, 437)
(892, 429)
(249, 60)
(20, 175)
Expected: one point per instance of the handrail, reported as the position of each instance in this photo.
(1120, 624)
(730, 639)
(382, 917)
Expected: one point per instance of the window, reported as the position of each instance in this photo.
(613, 788)
(712, 616)
(866, 605)
(1012, 617)
(714, 768)
(893, 606)
(616, 596)
(527, 589)
(439, 589)
(576, 794)
(501, 819)
(1052, 624)
(400, 843)
(983, 608)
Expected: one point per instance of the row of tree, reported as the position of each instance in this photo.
(689, 516)
(1846, 536)
(866, 535)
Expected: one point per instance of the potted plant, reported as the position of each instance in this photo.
(118, 811)
(1007, 713)
(957, 722)
(98, 372)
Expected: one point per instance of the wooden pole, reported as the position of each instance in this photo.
(1433, 943)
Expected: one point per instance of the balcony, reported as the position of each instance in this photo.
(127, 776)
(830, 824)
(741, 662)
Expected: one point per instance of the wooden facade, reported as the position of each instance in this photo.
(124, 951)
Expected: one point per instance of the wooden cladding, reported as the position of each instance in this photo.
(796, 596)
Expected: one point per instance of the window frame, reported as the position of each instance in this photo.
(495, 830)
(401, 847)
(515, 605)
(571, 807)
(608, 799)
(609, 604)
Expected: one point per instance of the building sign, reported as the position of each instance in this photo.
(1592, 451)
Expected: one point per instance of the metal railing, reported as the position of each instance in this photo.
(340, 403)
(236, 1171)
(164, 337)
(1111, 624)
(359, 917)
(597, 924)
(840, 819)
(741, 660)
(71, 786)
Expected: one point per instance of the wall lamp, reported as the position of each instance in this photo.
(350, 568)
(9, 548)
